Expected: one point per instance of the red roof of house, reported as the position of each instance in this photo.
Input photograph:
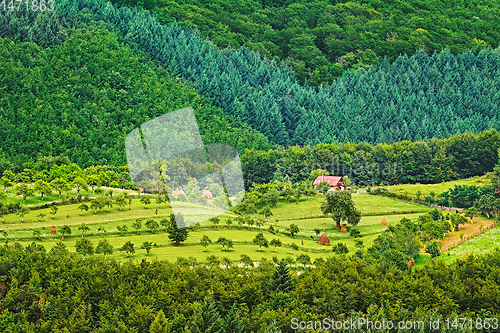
(332, 180)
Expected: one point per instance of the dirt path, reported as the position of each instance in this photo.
(469, 230)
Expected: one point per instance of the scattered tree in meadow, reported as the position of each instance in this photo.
(294, 229)
(229, 221)
(240, 220)
(471, 213)
(457, 220)
(266, 211)
(304, 259)
(84, 246)
(60, 185)
(23, 212)
(294, 247)
(104, 247)
(137, 225)
(165, 223)
(205, 241)
(260, 240)
(145, 200)
(65, 230)
(176, 234)
(222, 241)
(42, 187)
(128, 247)
(83, 207)
(25, 190)
(101, 230)
(83, 228)
(275, 242)
(80, 184)
(147, 246)
(122, 229)
(94, 204)
(215, 220)
(246, 260)
(152, 224)
(120, 200)
(340, 207)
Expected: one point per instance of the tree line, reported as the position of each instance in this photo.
(54, 290)
(417, 97)
(321, 40)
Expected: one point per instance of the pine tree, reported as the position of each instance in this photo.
(207, 319)
(160, 324)
(281, 279)
(232, 322)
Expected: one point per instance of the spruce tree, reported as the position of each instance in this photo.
(281, 279)
(160, 324)
(207, 319)
(232, 322)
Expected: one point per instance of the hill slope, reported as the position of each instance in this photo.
(321, 39)
(82, 97)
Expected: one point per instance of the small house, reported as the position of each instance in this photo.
(336, 183)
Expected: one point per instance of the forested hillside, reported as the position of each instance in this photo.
(321, 39)
(415, 98)
(82, 97)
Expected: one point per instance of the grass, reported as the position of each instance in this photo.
(411, 189)
(286, 213)
(485, 242)
(309, 207)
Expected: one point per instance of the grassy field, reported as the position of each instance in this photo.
(425, 189)
(306, 214)
(284, 214)
(309, 207)
(485, 242)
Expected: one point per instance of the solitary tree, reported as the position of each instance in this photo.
(281, 280)
(146, 201)
(60, 185)
(176, 234)
(275, 242)
(84, 246)
(471, 213)
(80, 184)
(266, 211)
(65, 230)
(53, 210)
(120, 200)
(25, 190)
(147, 246)
(83, 207)
(341, 208)
(165, 223)
(83, 227)
(128, 247)
(294, 229)
(104, 247)
(101, 230)
(260, 240)
(304, 259)
(215, 220)
(42, 187)
(137, 225)
(23, 212)
(294, 247)
(152, 224)
(205, 241)
(122, 229)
